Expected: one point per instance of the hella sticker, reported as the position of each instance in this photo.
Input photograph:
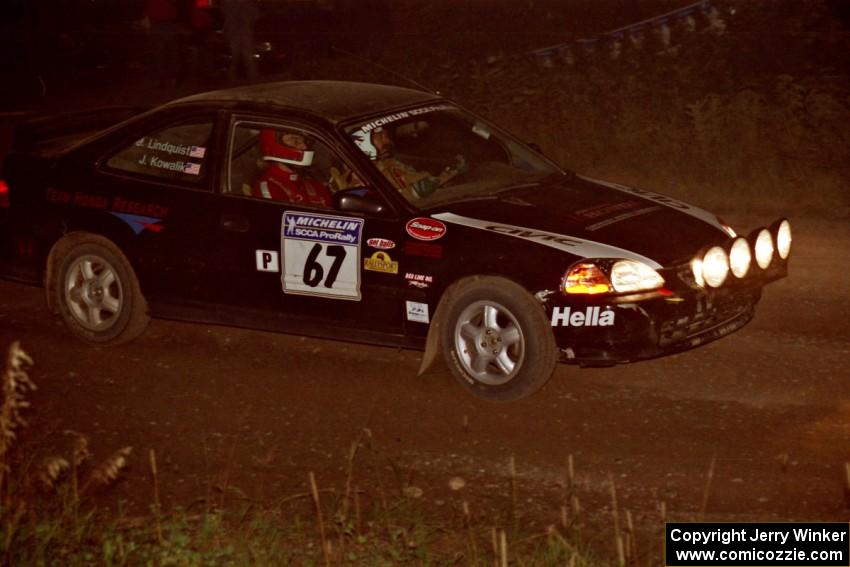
(423, 228)
(381, 243)
(591, 317)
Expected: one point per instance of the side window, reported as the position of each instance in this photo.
(177, 153)
(285, 164)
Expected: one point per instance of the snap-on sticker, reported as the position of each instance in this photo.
(424, 228)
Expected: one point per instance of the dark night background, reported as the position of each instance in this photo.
(745, 113)
(758, 103)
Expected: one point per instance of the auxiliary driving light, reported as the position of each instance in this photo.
(783, 239)
(715, 266)
(764, 248)
(740, 257)
(696, 269)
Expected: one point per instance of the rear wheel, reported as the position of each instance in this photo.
(496, 339)
(96, 291)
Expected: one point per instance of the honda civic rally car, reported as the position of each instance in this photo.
(367, 213)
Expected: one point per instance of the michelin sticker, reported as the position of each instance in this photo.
(321, 255)
(384, 120)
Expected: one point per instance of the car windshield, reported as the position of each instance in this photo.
(439, 154)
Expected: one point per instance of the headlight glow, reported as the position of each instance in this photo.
(764, 248)
(783, 239)
(740, 257)
(696, 268)
(715, 266)
(630, 275)
(585, 278)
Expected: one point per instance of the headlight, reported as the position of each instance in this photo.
(783, 239)
(586, 278)
(764, 248)
(715, 266)
(629, 275)
(740, 257)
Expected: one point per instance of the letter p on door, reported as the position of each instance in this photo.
(268, 261)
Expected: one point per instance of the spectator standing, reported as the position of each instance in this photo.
(239, 19)
(200, 25)
(165, 31)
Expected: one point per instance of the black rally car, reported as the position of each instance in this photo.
(367, 213)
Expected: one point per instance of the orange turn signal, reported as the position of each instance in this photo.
(585, 278)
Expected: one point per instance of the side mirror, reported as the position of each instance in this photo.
(358, 200)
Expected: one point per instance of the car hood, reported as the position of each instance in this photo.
(593, 218)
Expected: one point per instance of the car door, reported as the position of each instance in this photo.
(287, 250)
(157, 182)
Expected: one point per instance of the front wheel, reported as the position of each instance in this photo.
(96, 291)
(496, 339)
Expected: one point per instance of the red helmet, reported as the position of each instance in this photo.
(274, 149)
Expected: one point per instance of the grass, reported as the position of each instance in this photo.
(49, 513)
(374, 515)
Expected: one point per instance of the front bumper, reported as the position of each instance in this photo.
(649, 325)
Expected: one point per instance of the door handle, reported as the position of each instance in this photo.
(235, 223)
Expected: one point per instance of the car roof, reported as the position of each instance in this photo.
(336, 101)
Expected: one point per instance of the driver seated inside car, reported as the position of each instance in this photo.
(286, 176)
(412, 183)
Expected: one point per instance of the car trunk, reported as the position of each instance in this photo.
(52, 134)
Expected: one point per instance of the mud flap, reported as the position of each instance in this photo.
(431, 358)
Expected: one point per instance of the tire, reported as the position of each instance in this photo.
(96, 291)
(496, 339)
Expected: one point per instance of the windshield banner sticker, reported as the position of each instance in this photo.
(384, 120)
(321, 255)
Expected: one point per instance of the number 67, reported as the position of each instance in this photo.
(313, 270)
